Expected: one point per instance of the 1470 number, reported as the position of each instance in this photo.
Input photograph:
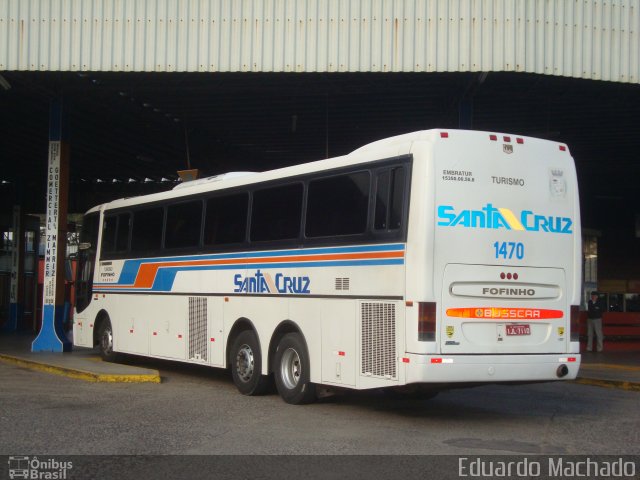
(509, 250)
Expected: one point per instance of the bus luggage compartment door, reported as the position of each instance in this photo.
(496, 309)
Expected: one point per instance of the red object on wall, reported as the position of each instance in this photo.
(621, 331)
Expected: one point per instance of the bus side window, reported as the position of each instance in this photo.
(122, 237)
(338, 205)
(382, 201)
(226, 219)
(276, 213)
(109, 229)
(183, 225)
(389, 199)
(147, 230)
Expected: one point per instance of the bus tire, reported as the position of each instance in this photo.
(246, 365)
(292, 371)
(105, 342)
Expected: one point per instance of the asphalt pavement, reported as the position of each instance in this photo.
(610, 369)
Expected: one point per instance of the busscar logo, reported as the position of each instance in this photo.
(38, 469)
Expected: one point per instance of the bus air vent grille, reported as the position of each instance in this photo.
(198, 328)
(342, 283)
(378, 322)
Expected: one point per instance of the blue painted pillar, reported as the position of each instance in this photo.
(51, 337)
(16, 292)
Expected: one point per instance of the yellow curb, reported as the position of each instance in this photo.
(628, 368)
(94, 359)
(629, 386)
(81, 374)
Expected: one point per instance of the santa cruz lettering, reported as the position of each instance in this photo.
(264, 283)
(496, 218)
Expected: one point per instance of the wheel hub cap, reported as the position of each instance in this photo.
(245, 363)
(290, 368)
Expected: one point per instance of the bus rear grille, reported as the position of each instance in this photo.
(198, 328)
(379, 339)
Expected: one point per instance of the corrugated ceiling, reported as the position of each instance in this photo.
(590, 39)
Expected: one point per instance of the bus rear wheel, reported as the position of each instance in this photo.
(292, 371)
(246, 365)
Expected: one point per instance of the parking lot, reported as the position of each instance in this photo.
(198, 411)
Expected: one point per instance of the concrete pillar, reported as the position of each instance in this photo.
(16, 288)
(52, 337)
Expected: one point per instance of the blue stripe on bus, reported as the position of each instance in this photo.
(131, 267)
(166, 275)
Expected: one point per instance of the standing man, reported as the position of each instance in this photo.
(594, 321)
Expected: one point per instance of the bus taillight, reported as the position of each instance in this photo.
(575, 323)
(426, 321)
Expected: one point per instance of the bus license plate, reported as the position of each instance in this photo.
(518, 330)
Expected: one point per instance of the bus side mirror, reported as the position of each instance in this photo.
(84, 246)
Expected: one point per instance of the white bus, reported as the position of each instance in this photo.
(437, 257)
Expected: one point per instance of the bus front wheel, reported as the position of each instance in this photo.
(106, 342)
(246, 365)
(292, 371)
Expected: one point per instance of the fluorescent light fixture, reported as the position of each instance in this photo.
(4, 83)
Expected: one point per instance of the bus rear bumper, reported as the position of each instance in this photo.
(490, 368)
